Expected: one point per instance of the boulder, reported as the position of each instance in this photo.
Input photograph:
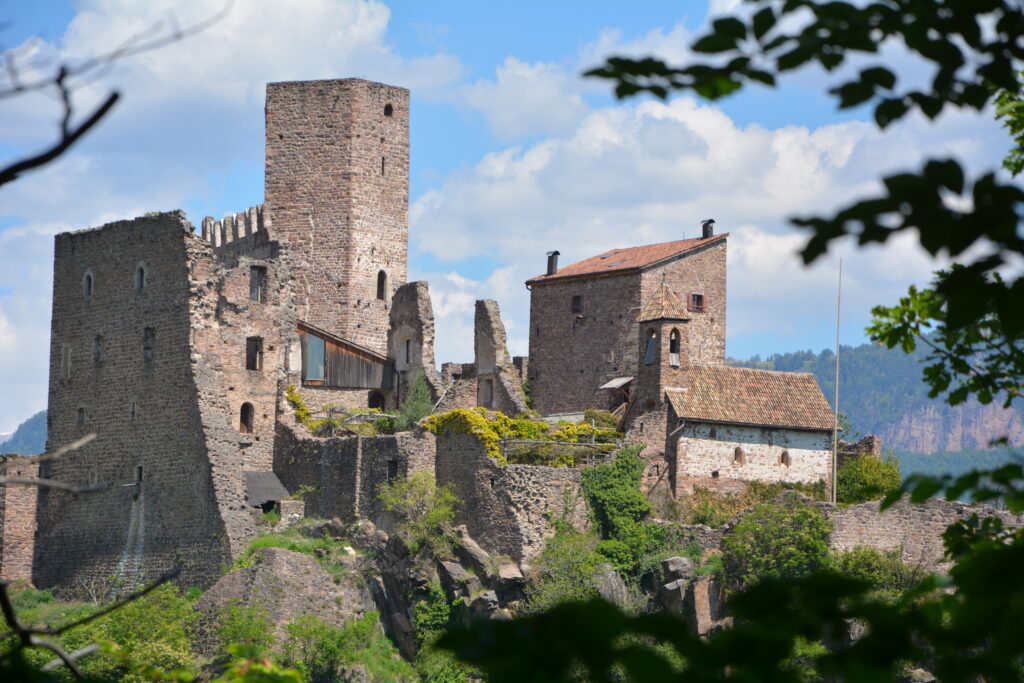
(672, 597)
(676, 568)
(485, 603)
(323, 527)
(285, 585)
(610, 585)
(509, 575)
(456, 580)
(471, 553)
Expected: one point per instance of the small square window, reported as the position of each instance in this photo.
(697, 303)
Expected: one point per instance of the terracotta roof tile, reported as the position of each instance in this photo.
(630, 258)
(768, 398)
(663, 305)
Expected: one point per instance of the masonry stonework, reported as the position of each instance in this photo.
(17, 520)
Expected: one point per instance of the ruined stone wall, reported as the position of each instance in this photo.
(706, 455)
(498, 386)
(458, 386)
(316, 397)
(122, 365)
(916, 529)
(571, 355)
(343, 475)
(507, 509)
(650, 431)
(411, 338)
(698, 272)
(18, 522)
(337, 188)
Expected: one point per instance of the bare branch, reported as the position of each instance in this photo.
(14, 170)
(63, 657)
(167, 576)
(73, 656)
(52, 484)
(35, 459)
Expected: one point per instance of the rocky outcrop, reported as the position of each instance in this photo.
(937, 427)
(285, 585)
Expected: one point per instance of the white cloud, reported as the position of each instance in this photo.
(649, 172)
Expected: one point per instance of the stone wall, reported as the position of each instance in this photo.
(17, 521)
(411, 338)
(459, 386)
(337, 187)
(714, 456)
(343, 475)
(498, 386)
(507, 509)
(571, 354)
(650, 430)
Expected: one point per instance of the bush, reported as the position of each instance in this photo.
(246, 625)
(885, 571)
(567, 567)
(600, 418)
(324, 549)
(617, 553)
(865, 478)
(714, 509)
(323, 652)
(421, 509)
(782, 540)
(431, 615)
(416, 405)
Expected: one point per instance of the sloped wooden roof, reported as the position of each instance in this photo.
(617, 261)
(262, 487)
(764, 398)
(663, 305)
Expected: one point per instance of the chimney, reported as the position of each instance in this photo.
(709, 227)
(552, 263)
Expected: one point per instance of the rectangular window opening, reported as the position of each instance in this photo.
(392, 470)
(697, 303)
(577, 304)
(408, 354)
(148, 344)
(314, 352)
(254, 353)
(257, 283)
(65, 361)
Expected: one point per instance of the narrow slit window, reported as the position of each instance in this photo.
(673, 348)
(81, 416)
(140, 277)
(65, 361)
(382, 285)
(257, 283)
(245, 419)
(649, 353)
(254, 353)
(87, 285)
(408, 351)
(382, 165)
(148, 345)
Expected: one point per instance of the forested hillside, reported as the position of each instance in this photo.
(29, 438)
(882, 393)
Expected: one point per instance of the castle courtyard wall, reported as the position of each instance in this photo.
(18, 521)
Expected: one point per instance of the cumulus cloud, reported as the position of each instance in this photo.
(649, 172)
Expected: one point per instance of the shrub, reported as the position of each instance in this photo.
(713, 509)
(416, 405)
(246, 625)
(431, 615)
(421, 509)
(324, 549)
(600, 418)
(865, 478)
(781, 540)
(617, 553)
(322, 652)
(566, 570)
(885, 571)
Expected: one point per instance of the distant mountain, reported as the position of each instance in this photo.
(29, 438)
(881, 392)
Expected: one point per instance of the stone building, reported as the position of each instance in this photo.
(583, 331)
(174, 347)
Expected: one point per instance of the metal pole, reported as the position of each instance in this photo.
(835, 424)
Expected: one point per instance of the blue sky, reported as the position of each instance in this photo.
(513, 154)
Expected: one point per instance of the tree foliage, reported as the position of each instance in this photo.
(421, 509)
(865, 478)
(785, 539)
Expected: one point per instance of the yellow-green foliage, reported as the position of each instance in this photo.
(600, 418)
(302, 413)
(491, 427)
(326, 426)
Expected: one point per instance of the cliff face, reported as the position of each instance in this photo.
(935, 427)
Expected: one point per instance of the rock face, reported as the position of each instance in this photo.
(286, 585)
(940, 427)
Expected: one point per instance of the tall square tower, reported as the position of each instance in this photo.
(337, 188)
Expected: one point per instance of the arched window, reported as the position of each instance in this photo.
(245, 419)
(377, 400)
(652, 340)
(784, 459)
(382, 285)
(140, 277)
(87, 284)
(738, 457)
(673, 348)
(388, 110)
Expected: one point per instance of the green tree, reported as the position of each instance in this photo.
(421, 509)
(780, 540)
(416, 405)
(865, 478)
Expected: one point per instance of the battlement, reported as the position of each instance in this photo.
(235, 226)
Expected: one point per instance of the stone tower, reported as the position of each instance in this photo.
(664, 349)
(337, 188)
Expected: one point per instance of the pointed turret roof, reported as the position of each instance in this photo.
(663, 305)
